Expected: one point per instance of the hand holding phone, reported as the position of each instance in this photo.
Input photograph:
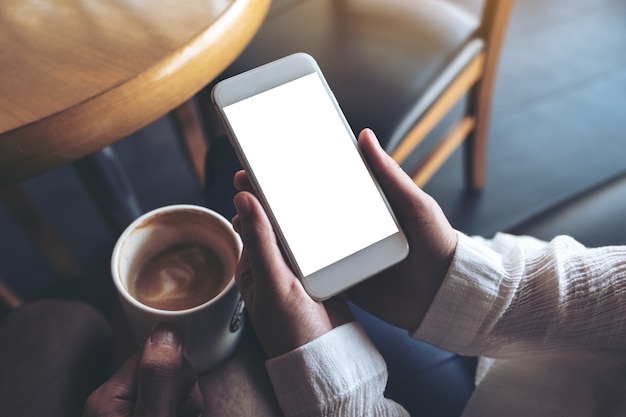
(328, 212)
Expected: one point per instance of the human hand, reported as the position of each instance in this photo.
(282, 313)
(402, 294)
(157, 382)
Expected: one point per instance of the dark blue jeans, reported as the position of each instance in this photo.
(426, 380)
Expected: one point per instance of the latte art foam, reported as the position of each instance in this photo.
(179, 278)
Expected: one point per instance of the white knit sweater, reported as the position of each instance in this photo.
(547, 319)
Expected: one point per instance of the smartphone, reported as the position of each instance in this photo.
(334, 224)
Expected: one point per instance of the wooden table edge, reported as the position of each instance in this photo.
(133, 104)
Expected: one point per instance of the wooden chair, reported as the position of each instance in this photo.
(398, 67)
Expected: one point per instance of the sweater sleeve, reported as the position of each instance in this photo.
(338, 374)
(516, 294)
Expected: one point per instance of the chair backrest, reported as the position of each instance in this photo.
(383, 77)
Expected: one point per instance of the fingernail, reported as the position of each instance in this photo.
(236, 222)
(166, 334)
(373, 136)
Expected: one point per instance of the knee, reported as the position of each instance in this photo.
(60, 317)
(61, 350)
(68, 327)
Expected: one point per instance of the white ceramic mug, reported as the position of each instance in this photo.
(210, 330)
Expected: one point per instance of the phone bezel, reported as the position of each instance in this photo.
(352, 269)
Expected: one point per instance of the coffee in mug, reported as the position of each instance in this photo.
(179, 278)
(177, 264)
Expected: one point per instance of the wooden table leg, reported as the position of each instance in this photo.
(35, 225)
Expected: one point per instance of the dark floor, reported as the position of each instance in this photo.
(558, 123)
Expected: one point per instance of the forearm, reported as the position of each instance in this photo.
(338, 374)
(518, 296)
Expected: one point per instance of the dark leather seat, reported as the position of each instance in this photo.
(424, 379)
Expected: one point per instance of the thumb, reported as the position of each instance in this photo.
(416, 211)
(159, 375)
(399, 188)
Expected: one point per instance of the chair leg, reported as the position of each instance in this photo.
(105, 179)
(187, 123)
(45, 237)
(476, 155)
(8, 298)
(495, 19)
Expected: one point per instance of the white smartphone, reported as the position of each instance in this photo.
(328, 212)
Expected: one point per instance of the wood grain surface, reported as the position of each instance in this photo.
(76, 76)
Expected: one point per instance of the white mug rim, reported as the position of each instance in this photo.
(164, 209)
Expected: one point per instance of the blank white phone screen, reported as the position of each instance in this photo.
(306, 163)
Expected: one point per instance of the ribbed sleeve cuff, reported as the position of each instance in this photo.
(338, 368)
(465, 297)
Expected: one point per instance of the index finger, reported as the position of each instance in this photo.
(263, 253)
(116, 396)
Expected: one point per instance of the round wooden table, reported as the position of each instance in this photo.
(77, 76)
